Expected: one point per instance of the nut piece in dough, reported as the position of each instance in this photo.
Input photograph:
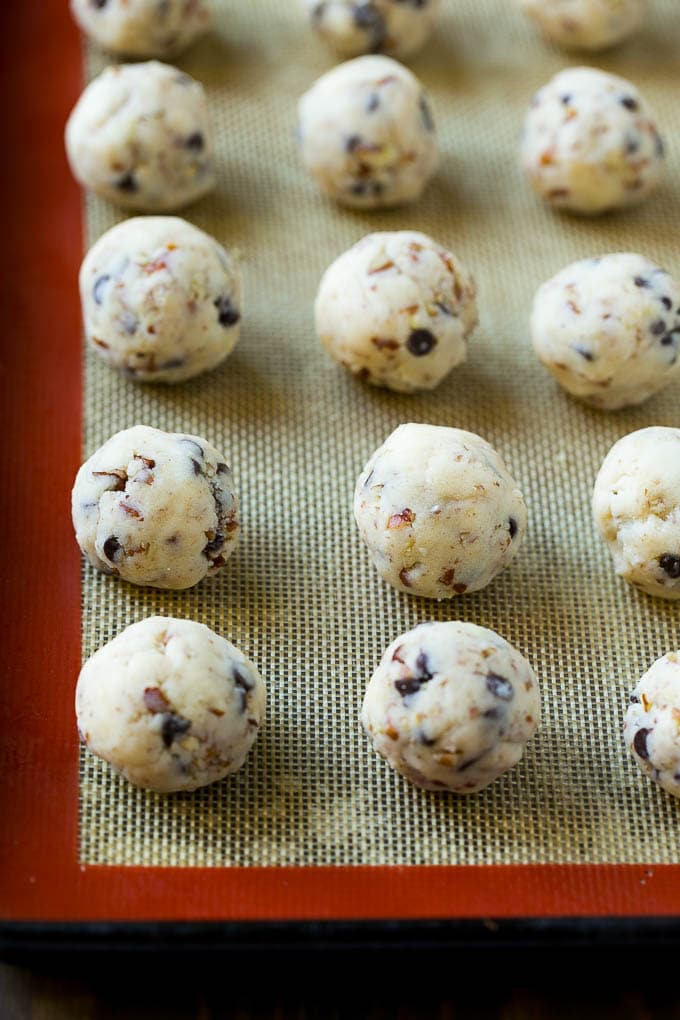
(608, 329)
(352, 27)
(140, 136)
(451, 706)
(438, 511)
(170, 705)
(652, 725)
(586, 24)
(590, 143)
(366, 134)
(636, 506)
(396, 309)
(143, 28)
(161, 299)
(157, 508)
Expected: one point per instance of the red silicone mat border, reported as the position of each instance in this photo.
(40, 414)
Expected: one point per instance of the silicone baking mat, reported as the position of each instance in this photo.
(300, 596)
(575, 827)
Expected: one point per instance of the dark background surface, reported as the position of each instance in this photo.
(623, 982)
(524, 986)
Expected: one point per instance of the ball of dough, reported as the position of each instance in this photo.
(451, 706)
(590, 143)
(139, 135)
(586, 24)
(366, 134)
(636, 505)
(438, 511)
(652, 725)
(161, 300)
(396, 309)
(143, 28)
(608, 329)
(170, 704)
(157, 508)
(353, 27)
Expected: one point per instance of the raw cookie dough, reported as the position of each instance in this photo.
(353, 27)
(652, 726)
(396, 309)
(608, 329)
(143, 28)
(586, 24)
(170, 704)
(161, 300)
(451, 706)
(590, 142)
(366, 134)
(139, 135)
(157, 508)
(636, 506)
(438, 511)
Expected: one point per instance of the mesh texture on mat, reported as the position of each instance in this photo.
(299, 596)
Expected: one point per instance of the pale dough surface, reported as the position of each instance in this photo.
(397, 28)
(438, 510)
(636, 506)
(366, 133)
(451, 706)
(608, 329)
(586, 24)
(396, 310)
(161, 299)
(143, 28)
(590, 142)
(156, 508)
(170, 704)
(652, 725)
(140, 136)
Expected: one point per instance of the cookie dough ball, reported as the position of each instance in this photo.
(451, 706)
(608, 329)
(636, 505)
(396, 310)
(161, 300)
(652, 726)
(586, 24)
(366, 134)
(157, 508)
(139, 135)
(353, 27)
(438, 511)
(590, 143)
(142, 28)
(170, 705)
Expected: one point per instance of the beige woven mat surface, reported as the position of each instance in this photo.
(299, 595)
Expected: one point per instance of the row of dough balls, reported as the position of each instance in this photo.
(140, 136)
(399, 28)
(437, 508)
(161, 302)
(396, 310)
(173, 706)
(441, 515)
(147, 28)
